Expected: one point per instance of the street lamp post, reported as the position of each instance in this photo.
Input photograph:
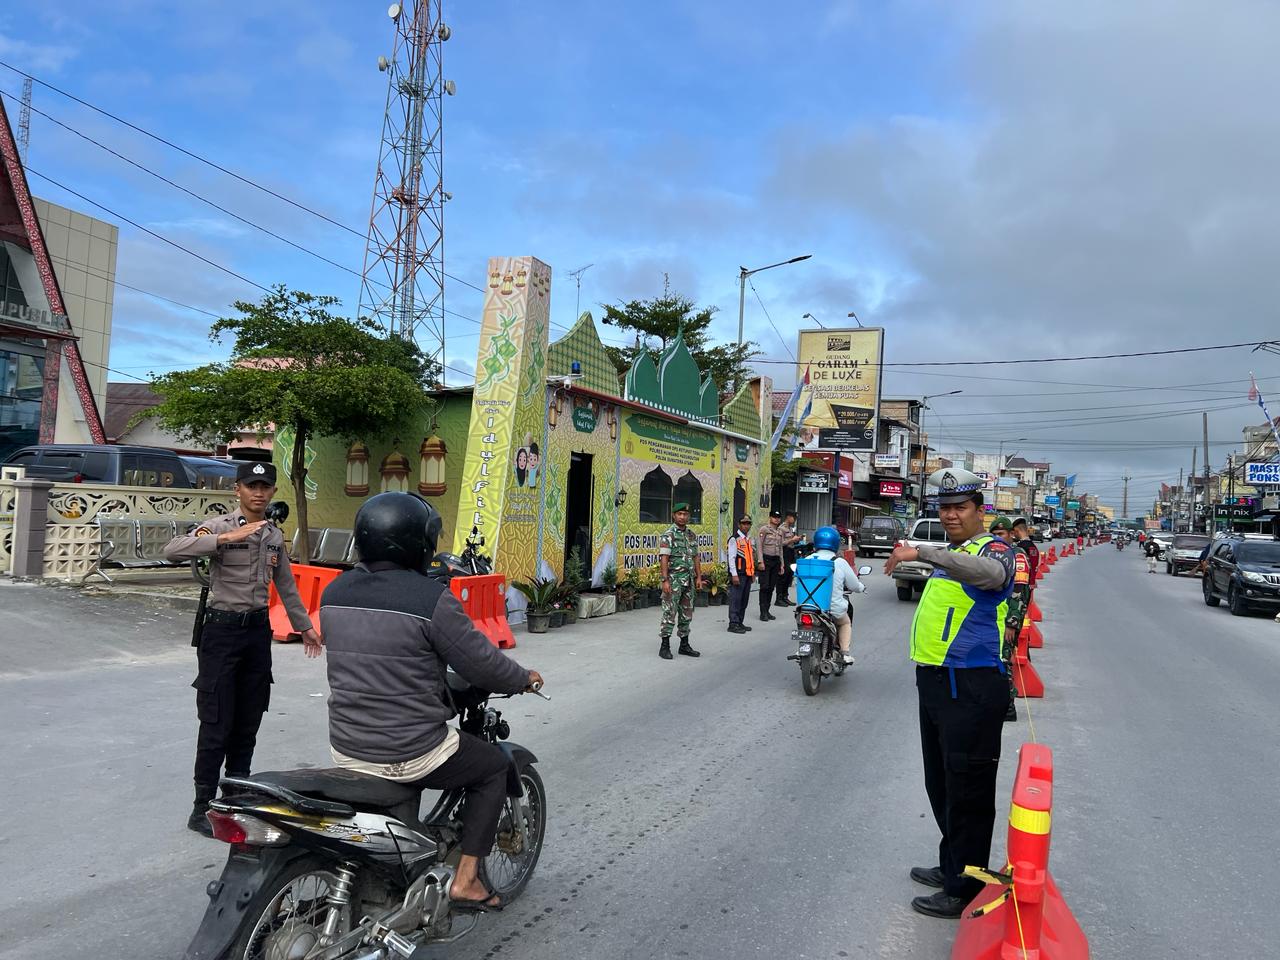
(743, 273)
(924, 452)
(1000, 458)
(810, 316)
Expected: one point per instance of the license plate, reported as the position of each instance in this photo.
(807, 636)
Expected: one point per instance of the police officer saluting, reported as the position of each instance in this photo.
(233, 684)
(956, 640)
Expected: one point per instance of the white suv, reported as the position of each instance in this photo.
(910, 577)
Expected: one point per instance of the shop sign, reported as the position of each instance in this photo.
(1058, 513)
(887, 461)
(741, 451)
(32, 318)
(1258, 472)
(1052, 500)
(1073, 504)
(584, 419)
(1232, 511)
(890, 488)
(820, 459)
(672, 444)
(844, 480)
(902, 507)
(1008, 482)
(815, 483)
(840, 394)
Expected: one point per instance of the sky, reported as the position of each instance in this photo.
(983, 180)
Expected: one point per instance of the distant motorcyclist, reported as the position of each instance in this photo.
(827, 543)
(391, 631)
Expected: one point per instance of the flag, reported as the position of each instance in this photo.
(804, 415)
(1256, 395)
(1253, 388)
(1071, 480)
(785, 416)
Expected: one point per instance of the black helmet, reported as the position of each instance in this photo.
(399, 528)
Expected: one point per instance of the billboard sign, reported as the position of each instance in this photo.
(1058, 513)
(842, 398)
(1007, 482)
(1073, 504)
(1260, 473)
(815, 483)
(886, 461)
(890, 488)
(1052, 500)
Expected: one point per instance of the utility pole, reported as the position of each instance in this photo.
(1191, 494)
(1177, 504)
(1205, 422)
(1124, 508)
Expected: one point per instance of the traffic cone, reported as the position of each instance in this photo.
(1021, 914)
(1026, 680)
(1033, 611)
(1034, 637)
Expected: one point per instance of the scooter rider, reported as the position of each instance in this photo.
(826, 542)
(391, 631)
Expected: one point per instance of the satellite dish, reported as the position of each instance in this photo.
(383, 63)
(444, 33)
(450, 87)
(393, 11)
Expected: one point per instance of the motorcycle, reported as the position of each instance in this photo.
(1120, 543)
(338, 865)
(817, 644)
(471, 563)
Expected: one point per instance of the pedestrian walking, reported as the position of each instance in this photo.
(681, 573)
(1151, 561)
(233, 680)
(956, 640)
(741, 560)
(769, 542)
(789, 542)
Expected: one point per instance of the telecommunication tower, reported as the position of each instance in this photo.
(402, 287)
(24, 121)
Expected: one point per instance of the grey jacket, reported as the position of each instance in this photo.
(390, 633)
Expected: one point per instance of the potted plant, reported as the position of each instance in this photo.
(718, 579)
(567, 602)
(540, 593)
(653, 583)
(702, 591)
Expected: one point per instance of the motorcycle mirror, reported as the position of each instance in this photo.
(277, 511)
(864, 569)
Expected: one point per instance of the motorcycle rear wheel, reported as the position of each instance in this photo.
(811, 673)
(508, 869)
(287, 912)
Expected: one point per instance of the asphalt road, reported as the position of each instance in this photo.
(699, 809)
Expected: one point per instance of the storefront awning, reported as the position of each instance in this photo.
(867, 506)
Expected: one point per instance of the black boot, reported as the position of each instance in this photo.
(1011, 714)
(664, 651)
(198, 821)
(686, 650)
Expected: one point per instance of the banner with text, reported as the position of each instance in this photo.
(839, 408)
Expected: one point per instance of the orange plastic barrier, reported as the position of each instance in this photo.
(1034, 613)
(311, 582)
(484, 598)
(1026, 681)
(1031, 921)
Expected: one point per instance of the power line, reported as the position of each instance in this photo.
(785, 345)
(150, 232)
(146, 293)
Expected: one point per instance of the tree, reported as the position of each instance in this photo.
(781, 470)
(295, 365)
(663, 317)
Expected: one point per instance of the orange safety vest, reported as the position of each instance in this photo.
(746, 559)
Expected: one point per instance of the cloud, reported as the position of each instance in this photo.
(36, 57)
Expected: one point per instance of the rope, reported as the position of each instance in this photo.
(1026, 701)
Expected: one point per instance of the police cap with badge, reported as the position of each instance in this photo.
(957, 485)
(248, 472)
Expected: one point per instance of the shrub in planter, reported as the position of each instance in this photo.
(557, 619)
(702, 599)
(540, 593)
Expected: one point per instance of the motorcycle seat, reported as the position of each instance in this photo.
(342, 786)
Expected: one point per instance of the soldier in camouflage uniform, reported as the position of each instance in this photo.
(1019, 603)
(681, 573)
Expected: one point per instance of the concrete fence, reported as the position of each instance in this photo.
(50, 530)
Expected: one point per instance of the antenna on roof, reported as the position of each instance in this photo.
(577, 277)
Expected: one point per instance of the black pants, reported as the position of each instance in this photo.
(233, 691)
(769, 577)
(960, 741)
(738, 597)
(787, 574)
(479, 768)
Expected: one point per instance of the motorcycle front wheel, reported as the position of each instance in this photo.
(285, 917)
(508, 869)
(811, 673)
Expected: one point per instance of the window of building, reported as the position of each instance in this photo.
(21, 387)
(655, 497)
(689, 490)
(10, 291)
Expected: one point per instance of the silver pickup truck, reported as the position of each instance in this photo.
(910, 577)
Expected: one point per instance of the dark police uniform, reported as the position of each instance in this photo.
(233, 682)
(956, 643)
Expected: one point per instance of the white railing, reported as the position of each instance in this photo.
(71, 541)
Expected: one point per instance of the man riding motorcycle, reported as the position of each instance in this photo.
(827, 543)
(391, 632)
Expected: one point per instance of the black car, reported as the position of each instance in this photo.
(1244, 572)
(878, 534)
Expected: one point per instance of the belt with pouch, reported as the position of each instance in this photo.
(238, 618)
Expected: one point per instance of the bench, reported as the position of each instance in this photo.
(127, 543)
(333, 547)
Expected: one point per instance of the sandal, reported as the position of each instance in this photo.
(477, 906)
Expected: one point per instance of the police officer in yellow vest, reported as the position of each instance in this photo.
(960, 681)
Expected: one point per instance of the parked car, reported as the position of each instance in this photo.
(910, 577)
(1246, 573)
(878, 535)
(210, 473)
(1158, 543)
(103, 463)
(1184, 552)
